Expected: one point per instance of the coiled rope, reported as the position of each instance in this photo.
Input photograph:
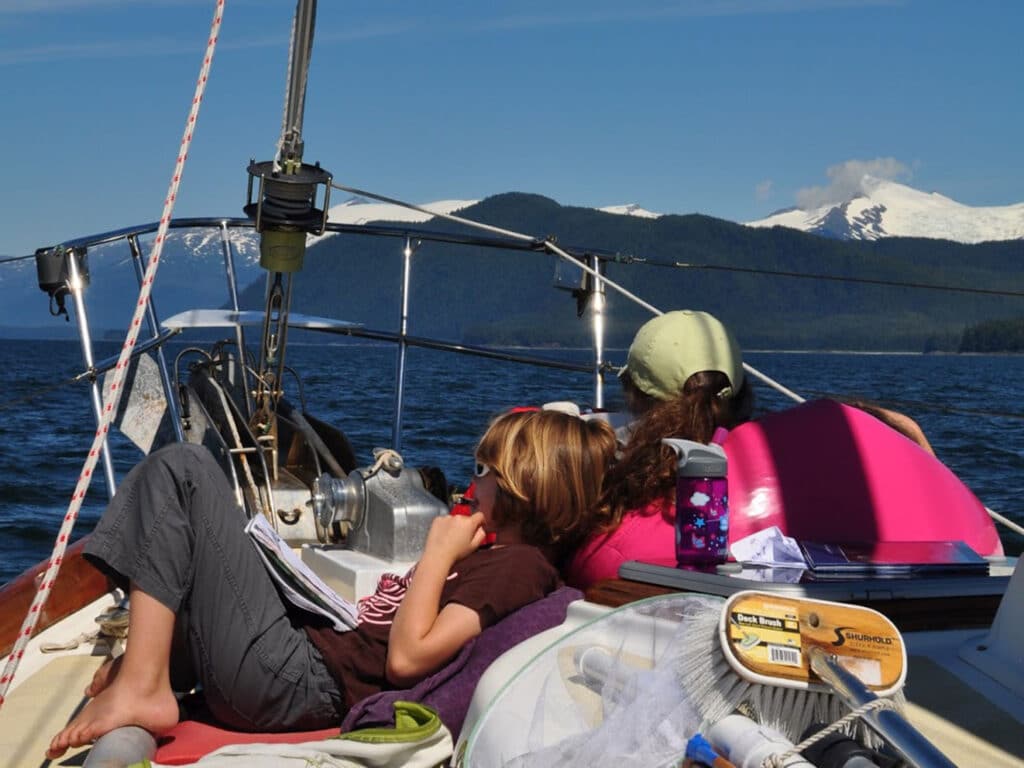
(779, 760)
(114, 390)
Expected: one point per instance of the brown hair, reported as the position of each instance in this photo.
(549, 468)
(646, 470)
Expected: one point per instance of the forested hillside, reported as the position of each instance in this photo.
(484, 296)
(994, 336)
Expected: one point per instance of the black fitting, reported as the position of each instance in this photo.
(53, 273)
(288, 200)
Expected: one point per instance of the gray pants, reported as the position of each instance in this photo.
(175, 531)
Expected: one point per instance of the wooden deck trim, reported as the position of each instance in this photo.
(78, 584)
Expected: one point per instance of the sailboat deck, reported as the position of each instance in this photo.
(40, 707)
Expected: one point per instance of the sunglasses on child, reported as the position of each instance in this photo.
(481, 469)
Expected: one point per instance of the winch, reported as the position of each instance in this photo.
(384, 510)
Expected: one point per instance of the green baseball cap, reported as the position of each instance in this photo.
(670, 348)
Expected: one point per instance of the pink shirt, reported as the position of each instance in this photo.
(647, 534)
(820, 471)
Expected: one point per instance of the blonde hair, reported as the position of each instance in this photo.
(549, 469)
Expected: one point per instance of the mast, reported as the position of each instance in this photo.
(285, 211)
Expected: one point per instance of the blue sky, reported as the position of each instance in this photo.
(733, 108)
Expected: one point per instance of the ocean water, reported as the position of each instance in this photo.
(969, 407)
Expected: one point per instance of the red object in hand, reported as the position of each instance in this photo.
(468, 509)
(463, 508)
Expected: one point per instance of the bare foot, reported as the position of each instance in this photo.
(122, 702)
(104, 676)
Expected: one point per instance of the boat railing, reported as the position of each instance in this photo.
(72, 256)
(590, 264)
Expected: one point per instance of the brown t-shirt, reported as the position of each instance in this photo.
(493, 582)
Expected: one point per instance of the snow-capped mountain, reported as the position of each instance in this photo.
(888, 209)
(881, 208)
(630, 209)
(357, 210)
(205, 242)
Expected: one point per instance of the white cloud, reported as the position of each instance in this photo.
(848, 179)
(764, 190)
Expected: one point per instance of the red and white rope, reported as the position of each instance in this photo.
(113, 394)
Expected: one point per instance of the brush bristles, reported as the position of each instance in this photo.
(716, 690)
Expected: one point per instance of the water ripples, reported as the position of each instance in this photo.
(968, 406)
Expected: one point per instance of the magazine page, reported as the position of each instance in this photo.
(299, 583)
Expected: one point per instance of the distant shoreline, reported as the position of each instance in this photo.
(547, 348)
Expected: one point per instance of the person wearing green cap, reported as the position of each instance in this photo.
(671, 348)
(683, 378)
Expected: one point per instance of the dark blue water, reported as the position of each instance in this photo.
(969, 406)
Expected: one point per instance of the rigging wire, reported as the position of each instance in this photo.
(643, 261)
(12, 259)
(683, 264)
(819, 276)
(114, 389)
(448, 216)
(550, 246)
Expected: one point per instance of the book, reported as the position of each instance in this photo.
(727, 580)
(299, 584)
(892, 558)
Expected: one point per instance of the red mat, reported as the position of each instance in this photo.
(190, 740)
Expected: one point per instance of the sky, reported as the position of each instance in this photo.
(730, 108)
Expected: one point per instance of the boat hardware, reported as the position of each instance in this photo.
(383, 510)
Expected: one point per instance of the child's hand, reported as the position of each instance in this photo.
(455, 536)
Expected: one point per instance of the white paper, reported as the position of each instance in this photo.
(769, 547)
(298, 582)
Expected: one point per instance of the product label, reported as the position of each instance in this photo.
(771, 635)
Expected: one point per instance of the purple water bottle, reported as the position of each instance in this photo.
(702, 503)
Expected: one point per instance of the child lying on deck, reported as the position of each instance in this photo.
(174, 533)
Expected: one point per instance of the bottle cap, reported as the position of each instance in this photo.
(697, 459)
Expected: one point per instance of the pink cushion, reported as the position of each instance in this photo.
(820, 471)
(823, 471)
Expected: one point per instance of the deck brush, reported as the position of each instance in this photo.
(754, 657)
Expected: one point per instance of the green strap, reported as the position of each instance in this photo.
(413, 722)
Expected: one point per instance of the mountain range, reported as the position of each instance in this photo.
(878, 208)
(754, 277)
